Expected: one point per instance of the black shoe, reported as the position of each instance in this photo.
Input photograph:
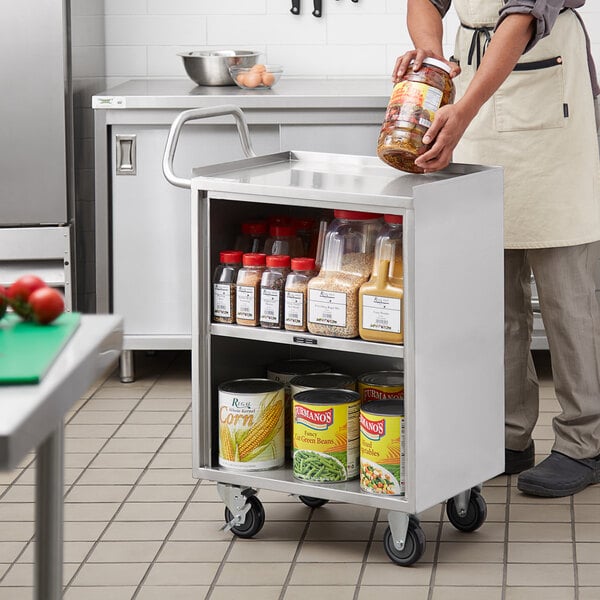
(559, 475)
(516, 461)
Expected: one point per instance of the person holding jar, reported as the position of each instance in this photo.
(526, 99)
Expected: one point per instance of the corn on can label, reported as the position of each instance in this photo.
(382, 454)
(251, 429)
(326, 440)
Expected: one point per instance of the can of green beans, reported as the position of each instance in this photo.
(326, 435)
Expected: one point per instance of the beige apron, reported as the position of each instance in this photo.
(539, 126)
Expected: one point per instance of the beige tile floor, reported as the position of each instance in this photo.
(137, 525)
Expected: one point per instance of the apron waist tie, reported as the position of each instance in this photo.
(477, 43)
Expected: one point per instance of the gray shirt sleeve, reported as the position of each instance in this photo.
(441, 5)
(545, 13)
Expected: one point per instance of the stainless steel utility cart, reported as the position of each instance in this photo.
(452, 357)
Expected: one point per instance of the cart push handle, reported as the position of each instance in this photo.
(202, 113)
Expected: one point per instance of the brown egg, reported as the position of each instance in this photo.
(258, 68)
(241, 78)
(253, 79)
(268, 79)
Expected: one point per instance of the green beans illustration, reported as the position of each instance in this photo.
(317, 467)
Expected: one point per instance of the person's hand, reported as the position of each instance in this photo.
(444, 134)
(418, 54)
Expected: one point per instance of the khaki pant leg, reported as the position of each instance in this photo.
(521, 384)
(567, 292)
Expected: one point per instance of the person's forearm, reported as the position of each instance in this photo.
(500, 58)
(425, 26)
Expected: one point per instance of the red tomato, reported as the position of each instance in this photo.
(3, 301)
(18, 293)
(45, 305)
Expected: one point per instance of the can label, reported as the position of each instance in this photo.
(326, 441)
(369, 392)
(382, 454)
(251, 430)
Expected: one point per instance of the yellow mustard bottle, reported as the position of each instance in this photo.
(380, 300)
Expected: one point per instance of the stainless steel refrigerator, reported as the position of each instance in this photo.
(36, 143)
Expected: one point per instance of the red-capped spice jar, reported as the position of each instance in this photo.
(296, 291)
(411, 111)
(272, 284)
(224, 281)
(252, 237)
(247, 289)
(283, 240)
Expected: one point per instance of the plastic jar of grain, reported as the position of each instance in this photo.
(296, 289)
(272, 285)
(224, 281)
(380, 300)
(347, 260)
(252, 237)
(410, 112)
(247, 289)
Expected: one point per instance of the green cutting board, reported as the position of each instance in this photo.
(27, 350)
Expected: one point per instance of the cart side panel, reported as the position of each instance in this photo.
(458, 335)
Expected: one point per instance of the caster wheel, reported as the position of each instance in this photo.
(255, 519)
(312, 502)
(476, 513)
(414, 545)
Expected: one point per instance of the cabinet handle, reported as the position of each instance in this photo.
(126, 154)
(202, 113)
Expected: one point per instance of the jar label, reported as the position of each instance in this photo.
(269, 305)
(294, 309)
(381, 313)
(222, 294)
(327, 308)
(413, 102)
(245, 303)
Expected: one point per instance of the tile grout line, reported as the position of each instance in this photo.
(135, 483)
(574, 541)
(167, 537)
(220, 568)
(290, 572)
(367, 551)
(436, 553)
(506, 536)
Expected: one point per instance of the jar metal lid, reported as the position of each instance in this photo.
(434, 62)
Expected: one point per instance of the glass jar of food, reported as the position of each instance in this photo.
(252, 237)
(410, 112)
(347, 260)
(283, 240)
(224, 281)
(296, 288)
(247, 289)
(381, 298)
(272, 285)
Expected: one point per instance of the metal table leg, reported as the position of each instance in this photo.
(126, 367)
(49, 517)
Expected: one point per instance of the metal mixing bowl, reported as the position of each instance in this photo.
(211, 67)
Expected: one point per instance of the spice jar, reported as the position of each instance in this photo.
(306, 230)
(347, 260)
(224, 281)
(247, 289)
(296, 288)
(283, 240)
(381, 298)
(410, 112)
(252, 237)
(272, 284)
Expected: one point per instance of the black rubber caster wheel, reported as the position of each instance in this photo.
(255, 519)
(475, 516)
(312, 502)
(414, 545)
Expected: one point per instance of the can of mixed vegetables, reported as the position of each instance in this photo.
(382, 447)
(325, 435)
(381, 385)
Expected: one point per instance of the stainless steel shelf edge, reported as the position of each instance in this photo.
(282, 480)
(307, 339)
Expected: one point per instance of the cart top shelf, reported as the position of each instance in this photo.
(322, 177)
